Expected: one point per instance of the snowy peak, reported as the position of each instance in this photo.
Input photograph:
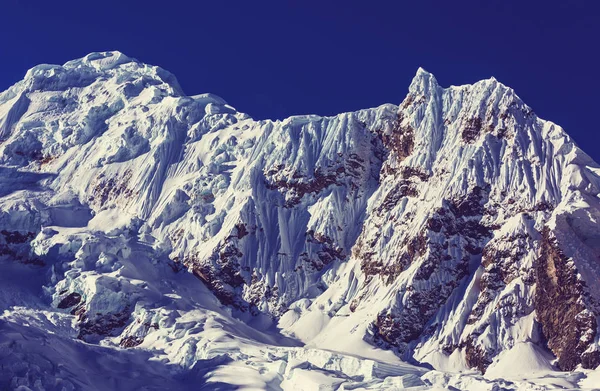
(455, 229)
(95, 67)
(101, 61)
(423, 83)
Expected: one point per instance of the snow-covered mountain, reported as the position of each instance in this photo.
(154, 239)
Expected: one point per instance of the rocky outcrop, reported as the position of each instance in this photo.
(222, 274)
(326, 252)
(501, 259)
(471, 130)
(299, 185)
(131, 341)
(71, 300)
(452, 230)
(562, 307)
(15, 246)
(399, 144)
(95, 327)
(110, 188)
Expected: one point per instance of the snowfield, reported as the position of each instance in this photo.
(151, 240)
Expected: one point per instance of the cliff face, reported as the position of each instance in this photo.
(458, 258)
(447, 229)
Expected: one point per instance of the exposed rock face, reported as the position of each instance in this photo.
(449, 251)
(437, 269)
(568, 324)
(14, 245)
(131, 342)
(71, 300)
(95, 328)
(222, 274)
(448, 229)
(471, 130)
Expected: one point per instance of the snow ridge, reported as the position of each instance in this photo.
(456, 231)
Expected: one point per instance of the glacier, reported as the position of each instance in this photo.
(155, 240)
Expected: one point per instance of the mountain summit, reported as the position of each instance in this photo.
(149, 237)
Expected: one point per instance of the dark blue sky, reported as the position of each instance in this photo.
(273, 59)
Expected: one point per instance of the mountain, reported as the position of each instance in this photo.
(154, 240)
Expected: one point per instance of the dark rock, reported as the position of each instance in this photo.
(471, 130)
(131, 341)
(241, 230)
(16, 237)
(457, 222)
(72, 299)
(399, 143)
(396, 329)
(476, 356)
(221, 273)
(326, 251)
(105, 189)
(410, 172)
(99, 326)
(568, 326)
(299, 185)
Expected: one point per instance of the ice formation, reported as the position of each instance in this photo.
(154, 240)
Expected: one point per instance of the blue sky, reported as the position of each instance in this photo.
(273, 59)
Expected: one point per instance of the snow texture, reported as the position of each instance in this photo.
(158, 241)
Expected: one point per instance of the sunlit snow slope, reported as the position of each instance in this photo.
(154, 240)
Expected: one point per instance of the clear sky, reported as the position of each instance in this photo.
(273, 59)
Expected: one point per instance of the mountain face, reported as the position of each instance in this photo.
(455, 230)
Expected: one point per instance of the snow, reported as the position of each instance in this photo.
(591, 380)
(118, 193)
(523, 360)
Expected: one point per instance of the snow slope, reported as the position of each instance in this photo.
(154, 239)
